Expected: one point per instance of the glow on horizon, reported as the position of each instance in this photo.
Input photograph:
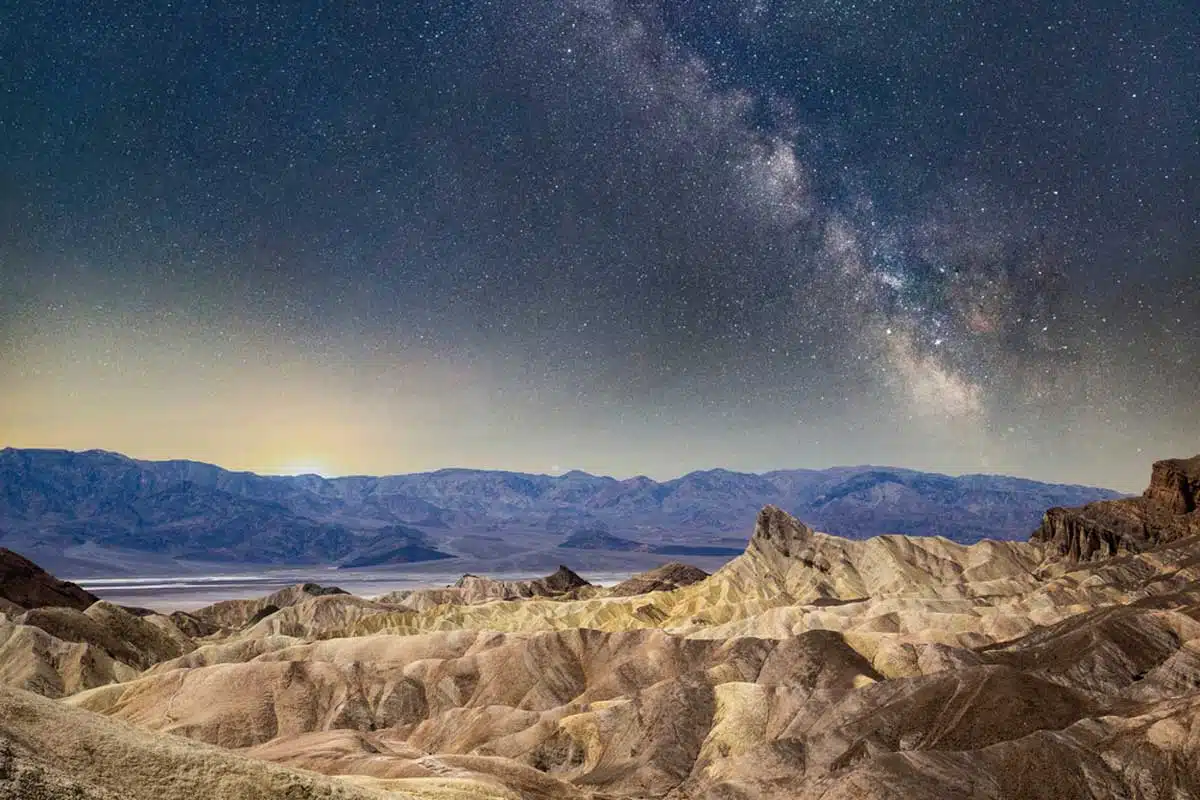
(304, 468)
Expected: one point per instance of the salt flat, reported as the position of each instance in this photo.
(191, 591)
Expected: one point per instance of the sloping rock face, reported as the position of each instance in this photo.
(1165, 512)
(57, 639)
(58, 651)
(26, 585)
(135, 641)
(49, 751)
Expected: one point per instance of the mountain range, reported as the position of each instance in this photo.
(100, 512)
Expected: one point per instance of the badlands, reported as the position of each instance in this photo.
(811, 666)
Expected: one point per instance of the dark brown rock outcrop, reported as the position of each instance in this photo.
(27, 585)
(192, 625)
(241, 613)
(1175, 485)
(666, 578)
(1166, 511)
(109, 628)
(560, 582)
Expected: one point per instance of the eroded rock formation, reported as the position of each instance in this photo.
(1166, 511)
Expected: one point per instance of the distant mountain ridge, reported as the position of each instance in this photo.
(72, 510)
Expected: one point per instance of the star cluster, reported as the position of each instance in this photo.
(629, 237)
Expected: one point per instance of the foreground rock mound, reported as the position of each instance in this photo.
(50, 751)
(57, 639)
(1165, 512)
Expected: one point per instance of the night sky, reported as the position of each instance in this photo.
(621, 237)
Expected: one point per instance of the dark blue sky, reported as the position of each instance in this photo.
(642, 237)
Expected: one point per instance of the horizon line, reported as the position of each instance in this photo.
(564, 473)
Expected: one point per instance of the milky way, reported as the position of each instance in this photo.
(625, 237)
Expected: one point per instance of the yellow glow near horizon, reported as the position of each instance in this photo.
(306, 467)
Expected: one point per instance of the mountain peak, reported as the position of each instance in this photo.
(779, 531)
(576, 473)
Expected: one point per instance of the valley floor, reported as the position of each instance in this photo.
(192, 591)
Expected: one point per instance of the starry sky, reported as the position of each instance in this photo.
(626, 237)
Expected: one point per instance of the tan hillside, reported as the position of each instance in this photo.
(49, 751)
(57, 651)
(473, 589)
(238, 613)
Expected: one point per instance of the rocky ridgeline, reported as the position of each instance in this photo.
(666, 578)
